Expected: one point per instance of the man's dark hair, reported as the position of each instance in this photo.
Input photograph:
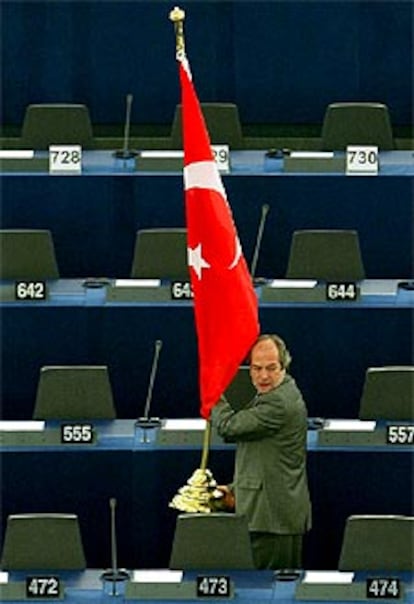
(284, 354)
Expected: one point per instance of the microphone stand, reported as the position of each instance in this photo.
(265, 211)
(114, 574)
(146, 422)
(125, 152)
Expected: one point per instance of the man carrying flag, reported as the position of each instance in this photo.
(270, 477)
(225, 303)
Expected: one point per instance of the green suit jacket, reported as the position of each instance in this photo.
(270, 482)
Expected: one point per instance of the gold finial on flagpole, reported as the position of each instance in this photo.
(177, 16)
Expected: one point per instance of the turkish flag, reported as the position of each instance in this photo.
(226, 309)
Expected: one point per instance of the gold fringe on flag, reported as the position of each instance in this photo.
(200, 494)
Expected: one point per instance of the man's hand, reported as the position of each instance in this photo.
(228, 501)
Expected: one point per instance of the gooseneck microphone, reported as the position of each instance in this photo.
(146, 421)
(114, 573)
(126, 152)
(265, 211)
(112, 505)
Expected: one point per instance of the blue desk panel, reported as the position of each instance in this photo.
(249, 586)
(332, 347)
(94, 217)
(145, 477)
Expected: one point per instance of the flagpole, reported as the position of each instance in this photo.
(199, 494)
(206, 445)
(177, 16)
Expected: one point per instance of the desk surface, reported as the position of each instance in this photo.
(249, 586)
(251, 163)
(124, 435)
(374, 293)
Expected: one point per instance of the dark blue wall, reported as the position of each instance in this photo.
(331, 348)
(94, 219)
(280, 61)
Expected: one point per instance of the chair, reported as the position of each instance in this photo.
(27, 254)
(160, 254)
(241, 389)
(207, 541)
(223, 124)
(56, 124)
(329, 255)
(43, 542)
(356, 124)
(378, 543)
(388, 393)
(74, 392)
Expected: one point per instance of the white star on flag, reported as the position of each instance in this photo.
(196, 260)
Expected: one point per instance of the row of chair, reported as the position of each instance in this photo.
(332, 255)
(53, 541)
(343, 124)
(84, 392)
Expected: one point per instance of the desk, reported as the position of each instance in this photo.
(94, 217)
(145, 476)
(250, 586)
(85, 329)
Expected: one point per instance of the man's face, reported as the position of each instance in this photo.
(266, 371)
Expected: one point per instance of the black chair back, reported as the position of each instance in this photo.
(56, 124)
(43, 542)
(378, 543)
(74, 392)
(223, 124)
(357, 124)
(160, 254)
(327, 255)
(27, 254)
(211, 541)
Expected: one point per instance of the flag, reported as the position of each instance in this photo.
(225, 304)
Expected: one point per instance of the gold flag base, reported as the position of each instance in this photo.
(199, 495)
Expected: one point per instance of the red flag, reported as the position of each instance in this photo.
(226, 310)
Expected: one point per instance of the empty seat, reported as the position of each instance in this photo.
(74, 392)
(241, 390)
(357, 124)
(161, 254)
(223, 124)
(378, 543)
(328, 255)
(207, 541)
(43, 542)
(56, 124)
(388, 394)
(27, 254)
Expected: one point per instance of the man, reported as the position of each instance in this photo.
(270, 482)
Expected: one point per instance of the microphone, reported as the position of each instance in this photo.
(114, 574)
(125, 152)
(265, 211)
(146, 421)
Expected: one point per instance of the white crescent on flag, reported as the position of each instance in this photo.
(205, 175)
(237, 255)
